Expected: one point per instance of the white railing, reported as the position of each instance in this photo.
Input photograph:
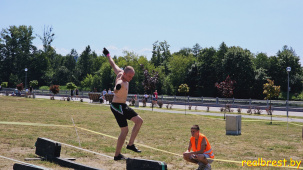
(178, 99)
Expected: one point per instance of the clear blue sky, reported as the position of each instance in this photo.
(134, 25)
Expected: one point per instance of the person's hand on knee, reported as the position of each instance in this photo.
(193, 156)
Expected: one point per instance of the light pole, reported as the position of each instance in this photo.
(288, 69)
(25, 76)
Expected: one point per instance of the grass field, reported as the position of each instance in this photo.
(98, 130)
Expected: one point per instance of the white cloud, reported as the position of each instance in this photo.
(39, 47)
(62, 51)
(145, 50)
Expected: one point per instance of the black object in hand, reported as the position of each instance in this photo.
(105, 51)
(118, 86)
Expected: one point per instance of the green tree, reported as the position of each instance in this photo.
(102, 79)
(33, 83)
(207, 75)
(222, 51)
(87, 83)
(260, 78)
(96, 62)
(69, 63)
(183, 88)
(161, 54)
(48, 77)
(274, 68)
(4, 84)
(70, 60)
(192, 79)
(134, 60)
(61, 75)
(237, 63)
(167, 86)
(14, 80)
(84, 63)
(261, 61)
(71, 86)
(40, 63)
(261, 64)
(55, 60)
(277, 70)
(47, 38)
(184, 52)
(218, 61)
(196, 49)
(16, 50)
(178, 66)
(271, 91)
(107, 77)
(288, 58)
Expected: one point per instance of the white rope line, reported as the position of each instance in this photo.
(22, 162)
(86, 150)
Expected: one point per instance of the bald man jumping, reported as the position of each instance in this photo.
(120, 109)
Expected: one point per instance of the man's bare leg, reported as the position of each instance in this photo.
(138, 122)
(121, 139)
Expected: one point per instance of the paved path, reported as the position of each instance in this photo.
(201, 110)
(222, 114)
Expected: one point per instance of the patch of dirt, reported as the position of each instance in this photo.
(96, 161)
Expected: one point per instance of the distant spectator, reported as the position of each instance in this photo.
(101, 99)
(77, 93)
(71, 94)
(109, 91)
(30, 89)
(156, 94)
(156, 97)
(0, 87)
(146, 97)
(104, 92)
(16, 92)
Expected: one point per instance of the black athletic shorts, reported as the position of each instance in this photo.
(122, 112)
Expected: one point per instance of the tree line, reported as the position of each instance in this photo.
(198, 67)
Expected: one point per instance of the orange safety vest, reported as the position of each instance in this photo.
(207, 150)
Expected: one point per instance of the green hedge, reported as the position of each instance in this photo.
(4, 84)
(47, 88)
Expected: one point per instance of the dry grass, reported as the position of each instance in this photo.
(165, 131)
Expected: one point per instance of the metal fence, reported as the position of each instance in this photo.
(178, 99)
(218, 101)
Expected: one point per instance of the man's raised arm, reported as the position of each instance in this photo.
(111, 61)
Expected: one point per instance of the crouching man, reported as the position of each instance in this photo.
(201, 149)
